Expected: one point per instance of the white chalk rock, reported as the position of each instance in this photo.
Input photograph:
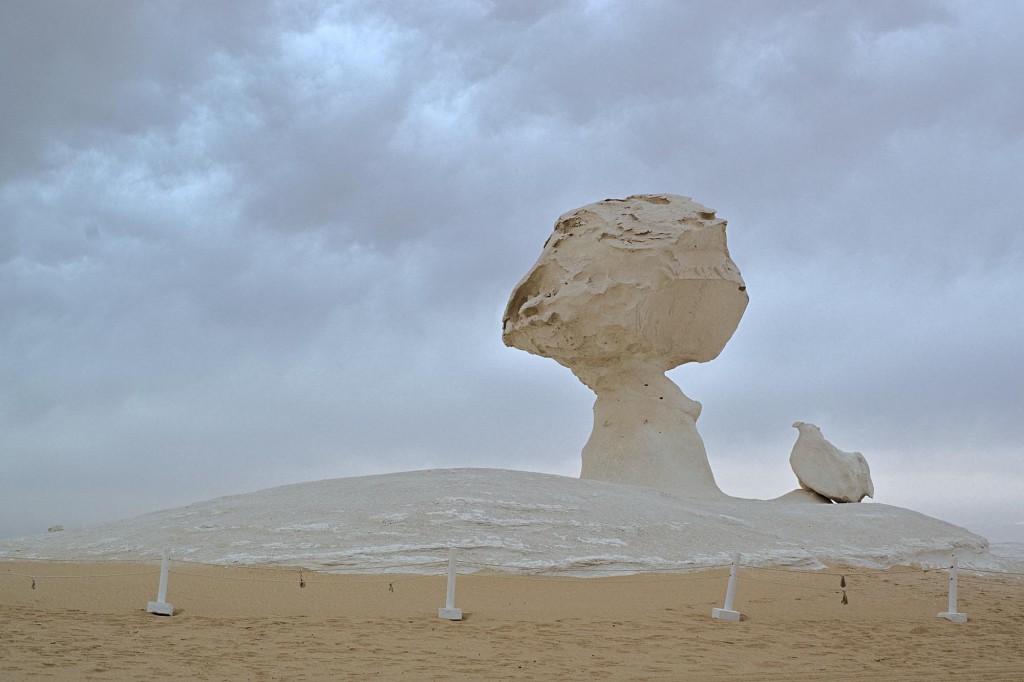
(624, 290)
(802, 496)
(828, 471)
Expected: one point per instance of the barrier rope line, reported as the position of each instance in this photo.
(652, 575)
(303, 580)
(968, 571)
(141, 559)
(412, 564)
(635, 574)
(602, 569)
(391, 578)
(812, 571)
(65, 577)
(563, 578)
(506, 571)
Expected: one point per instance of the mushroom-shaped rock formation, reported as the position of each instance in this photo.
(624, 290)
(825, 469)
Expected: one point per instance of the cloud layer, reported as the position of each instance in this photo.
(250, 244)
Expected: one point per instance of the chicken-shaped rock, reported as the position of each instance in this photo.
(825, 469)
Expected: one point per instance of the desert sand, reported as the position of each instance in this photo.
(87, 621)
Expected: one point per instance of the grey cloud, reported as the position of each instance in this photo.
(257, 243)
(78, 72)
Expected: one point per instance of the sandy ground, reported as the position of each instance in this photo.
(87, 621)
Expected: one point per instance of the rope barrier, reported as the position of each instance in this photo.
(991, 571)
(643, 574)
(754, 579)
(64, 577)
(141, 559)
(514, 571)
(301, 580)
(636, 574)
(433, 562)
(564, 574)
(692, 568)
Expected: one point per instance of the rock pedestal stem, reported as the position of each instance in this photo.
(645, 433)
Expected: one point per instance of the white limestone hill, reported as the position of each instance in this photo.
(511, 521)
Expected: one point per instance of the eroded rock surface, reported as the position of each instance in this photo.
(516, 521)
(624, 290)
(802, 496)
(828, 471)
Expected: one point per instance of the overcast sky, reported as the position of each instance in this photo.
(247, 244)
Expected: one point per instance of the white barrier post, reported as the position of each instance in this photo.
(449, 611)
(952, 614)
(160, 607)
(730, 592)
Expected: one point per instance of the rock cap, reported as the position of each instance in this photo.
(647, 278)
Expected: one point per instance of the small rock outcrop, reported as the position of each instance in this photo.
(624, 290)
(828, 471)
(802, 496)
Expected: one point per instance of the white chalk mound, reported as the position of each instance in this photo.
(511, 521)
(825, 469)
(624, 290)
